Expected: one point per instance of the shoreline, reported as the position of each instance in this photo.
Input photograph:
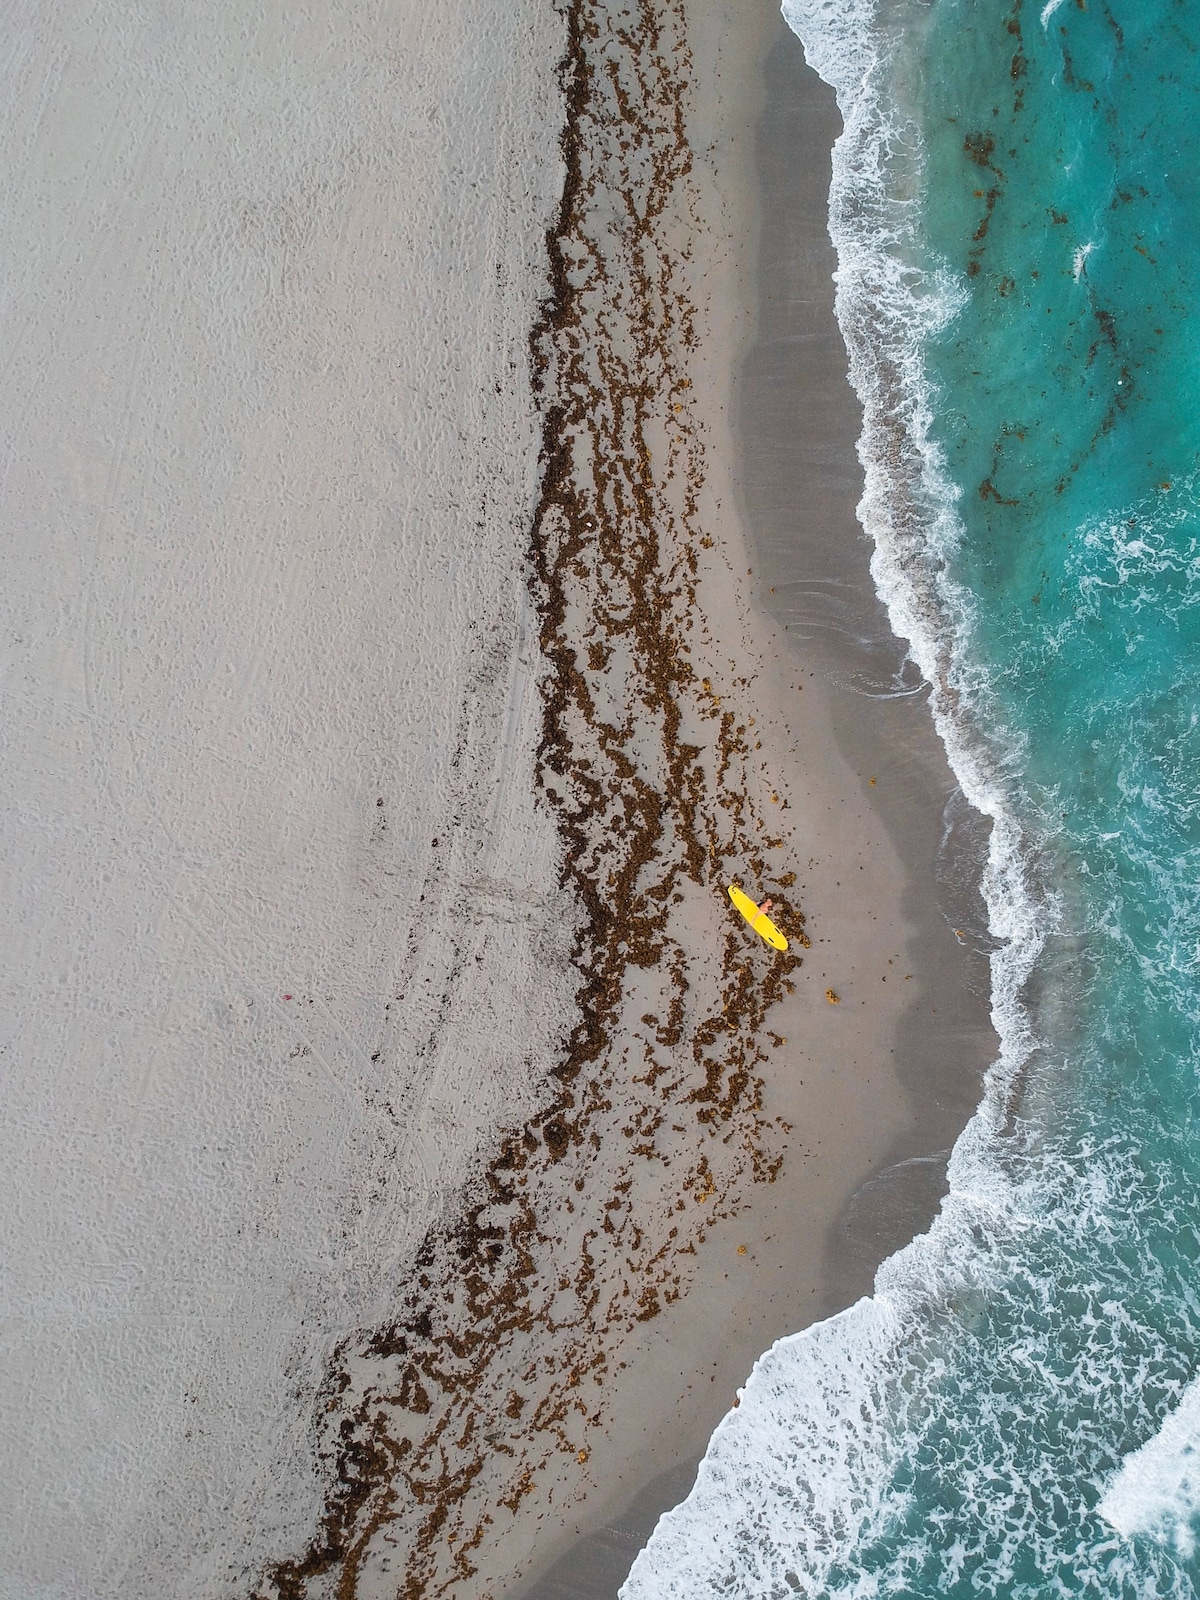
(814, 559)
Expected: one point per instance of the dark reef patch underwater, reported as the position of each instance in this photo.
(1016, 206)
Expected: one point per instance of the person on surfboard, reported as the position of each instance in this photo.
(758, 917)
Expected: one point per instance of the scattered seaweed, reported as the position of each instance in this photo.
(438, 1427)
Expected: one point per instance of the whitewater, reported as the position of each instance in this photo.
(1015, 1411)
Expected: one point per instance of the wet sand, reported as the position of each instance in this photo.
(800, 482)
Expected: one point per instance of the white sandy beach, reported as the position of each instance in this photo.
(274, 881)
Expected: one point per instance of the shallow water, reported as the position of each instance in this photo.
(1015, 206)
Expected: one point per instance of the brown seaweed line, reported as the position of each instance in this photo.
(611, 538)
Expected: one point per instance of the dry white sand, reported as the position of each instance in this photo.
(284, 948)
(274, 884)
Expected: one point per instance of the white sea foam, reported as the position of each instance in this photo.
(780, 1492)
(1048, 11)
(799, 1477)
(1157, 1490)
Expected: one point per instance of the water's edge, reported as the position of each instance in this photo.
(796, 427)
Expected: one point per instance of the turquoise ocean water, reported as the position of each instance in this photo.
(1016, 1412)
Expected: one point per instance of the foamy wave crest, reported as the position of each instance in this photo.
(1157, 1490)
(803, 1475)
(779, 1494)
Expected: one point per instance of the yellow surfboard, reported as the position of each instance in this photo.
(757, 919)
